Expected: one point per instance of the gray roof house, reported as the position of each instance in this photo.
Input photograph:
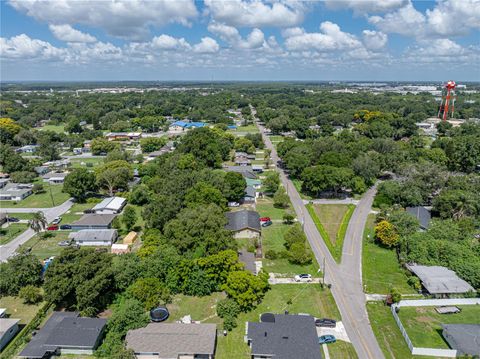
(439, 280)
(94, 221)
(244, 223)
(250, 195)
(422, 214)
(173, 340)
(465, 338)
(94, 237)
(286, 337)
(65, 333)
(54, 177)
(245, 171)
(8, 329)
(110, 205)
(41, 170)
(15, 192)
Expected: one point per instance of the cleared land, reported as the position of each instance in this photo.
(17, 310)
(41, 200)
(54, 128)
(199, 308)
(86, 162)
(381, 270)
(45, 248)
(10, 232)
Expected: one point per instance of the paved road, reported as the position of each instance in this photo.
(9, 249)
(346, 278)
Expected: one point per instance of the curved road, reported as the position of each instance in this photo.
(345, 278)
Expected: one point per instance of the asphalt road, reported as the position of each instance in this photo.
(7, 250)
(345, 278)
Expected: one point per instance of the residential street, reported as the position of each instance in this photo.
(9, 249)
(346, 278)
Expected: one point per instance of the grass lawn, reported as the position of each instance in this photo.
(381, 270)
(248, 128)
(17, 310)
(331, 221)
(54, 128)
(199, 308)
(276, 138)
(77, 162)
(341, 349)
(41, 200)
(302, 298)
(424, 324)
(13, 230)
(45, 248)
(266, 209)
(26, 216)
(76, 212)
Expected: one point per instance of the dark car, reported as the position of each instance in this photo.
(326, 339)
(13, 219)
(266, 224)
(87, 211)
(325, 322)
(65, 226)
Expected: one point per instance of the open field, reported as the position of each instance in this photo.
(266, 209)
(249, 128)
(13, 230)
(41, 200)
(77, 162)
(17, 310)
(45, 248)
(424, 324)
(199, 308)
(76, 212)
(376, 257)
(295, 298)
(54, 128)
(25, 216)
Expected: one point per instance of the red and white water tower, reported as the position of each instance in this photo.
(447, 106)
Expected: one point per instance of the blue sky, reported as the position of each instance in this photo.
(75, 40)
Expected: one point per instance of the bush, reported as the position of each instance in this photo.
(396, 295)
(288, 218)
(30, 294)
(271, 254)
(299, 254)
(38, 188)
(23, 177)
(229, 322)
(280, 199)
(227, 307)
(414, 282)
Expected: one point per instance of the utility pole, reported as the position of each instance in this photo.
(51, 195)
(324, 268)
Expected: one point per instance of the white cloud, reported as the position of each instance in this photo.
(122, 18)
(206, 46)
(255, 13)
(366, 6)
(23, 47)
(67, 33)
(167, 42)
(231, 35)
(405, 21)
(330, 38)
(374, 40)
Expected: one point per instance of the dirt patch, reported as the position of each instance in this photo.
(107, 313)
(421, 310)
(424, 319)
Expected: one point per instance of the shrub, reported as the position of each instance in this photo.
(396, 295)
(30, 294)
(271, 254)
(414, 282)
(299, 254)
(227, 307)
(288, 218)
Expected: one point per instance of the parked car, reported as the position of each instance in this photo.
(64, 243)
(65, 226)
(53, 227)
(265, 219)
(325, 322)
(233, 204)
(57, 220)
(326, 339)
(13, 219)
(87, 211)
(266, 224)
(303, 278)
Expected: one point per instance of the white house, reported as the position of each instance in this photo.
(94, 237)
(110, 205)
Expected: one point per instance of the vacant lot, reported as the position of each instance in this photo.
(54, 128)
(76, 212)
(424, 324)
(17, 310)
(86, 162)
(45, 248)
(41, 200)
(199, 308)
(10, 232)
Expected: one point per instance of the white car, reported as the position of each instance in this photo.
(57, 220)
(233, 204)
(303, 278)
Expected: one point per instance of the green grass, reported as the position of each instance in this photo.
(276, 138)
(248, 128)
(76, 212)
(77, 163)
(304, 299)
(331, 221)
(45, 248)
(341, 349)
(424, 324)
(13, 230)
(41, 200)
(199, 308)
(25, 216)
(17, 310)
(54, 128)
(266, 209)
(381, 270)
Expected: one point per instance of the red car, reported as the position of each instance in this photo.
(265, 219)
(53, 227)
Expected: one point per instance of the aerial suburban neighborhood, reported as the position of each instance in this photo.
(220, 219)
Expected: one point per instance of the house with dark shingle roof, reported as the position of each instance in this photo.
(422, 214)
(464, 338)
(244, 224)
(287, 336)
(94, 221)
(245, 171)
(173, 340)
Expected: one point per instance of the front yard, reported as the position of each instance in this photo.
(41, 200)
(10, 232)
(45, 248)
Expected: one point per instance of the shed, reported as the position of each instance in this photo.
(422, 214)
(130, 238)
(118, 248)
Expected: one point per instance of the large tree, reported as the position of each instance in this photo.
(80, 183)
(114, 175)
(18, 272)
(246, 289)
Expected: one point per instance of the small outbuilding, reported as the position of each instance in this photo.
(130, 237)
(118, 248)
(55, 177)
(422, 214)
(8, 329)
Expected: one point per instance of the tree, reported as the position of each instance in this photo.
(299, 254)
(129, 217)
(23, 177)
(294, 235)
(228, 309)
(405, 224)
(457, 204)
(235, 186)
(243, 144)
(101, 145)
(140, 195)
(203, 194)
(266, 157)
(218, 266)
(288, 218)
(280, 199)
(73, 125)
(79, 183)
(30, 294)
(114, 175)
(246, 289)
(366, 167)
(8, 129)
(38, 188)
(150, 291)
(19, 271)
(151, 144)
(271, 182)
(38, 222)
(317, 179)
(385, 233)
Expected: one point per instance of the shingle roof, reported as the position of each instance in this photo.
(465, 338)
(250, 192)
(422, 214)
(94, 235)
(244, 219)
(439, 280)
(172, 339)
(95, 220)
(290, 336)
(245, 171)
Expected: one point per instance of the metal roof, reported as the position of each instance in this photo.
(6, 324)
(244, 219)
(465, 338)
(94, 235)
(439, 280)
(422, 214)
(170, 340)
(111, 203)
(290, 336)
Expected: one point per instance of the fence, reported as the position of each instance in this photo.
(448, 353)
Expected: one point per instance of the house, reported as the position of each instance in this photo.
(41, 170)
(242, 161)
(464, 338)
(422, 214)
(284, 336)
(3, 182)
(8, 329)
(255, 183)
(122, 136)
(55, 177)
(244, 224)
(28, 149)
(179, 126)
(65, 333)
(87, 146)
(130, 237)
(257, 168)
(250, 195)
(58, 164)
(245, 171)
(94, 221)
(15, 192)
(110, 205)
(118, 248)
(94, 237)
(439, 281)
(173, 340)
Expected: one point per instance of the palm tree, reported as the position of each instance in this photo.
(38, 222)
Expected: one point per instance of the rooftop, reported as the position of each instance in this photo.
(244, 219)
(94, 235)
(439, 280)
(95, 220)
(111, 203)
(54, 175)
(465, 338)
(170, 340)
(6, 324)
(422, 214)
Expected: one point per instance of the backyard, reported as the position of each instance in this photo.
(41, 200)
(17, 310)
(45, 248)
(76, 211)
(10, 232)
(86, 162)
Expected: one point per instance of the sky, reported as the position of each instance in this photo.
(249, 40)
